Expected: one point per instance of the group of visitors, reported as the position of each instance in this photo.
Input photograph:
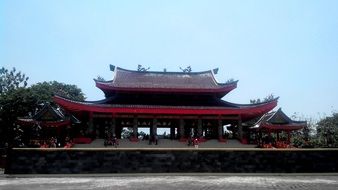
(68, 143)
(270, 142)
(52, 142)
(110, 139)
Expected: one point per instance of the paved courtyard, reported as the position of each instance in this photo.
(171, 182)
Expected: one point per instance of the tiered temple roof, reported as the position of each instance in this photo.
(165, 82)
(166, 93)
(246, 111)
(48, 116)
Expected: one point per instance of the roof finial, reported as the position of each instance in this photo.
(112, 67)
(215, 71)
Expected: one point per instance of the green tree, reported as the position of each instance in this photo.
(44, 91)
(11, 80)
(327, 131)
(15, 100)
(305, 137)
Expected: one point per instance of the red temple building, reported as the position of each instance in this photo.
(276, 122)
(186, 103)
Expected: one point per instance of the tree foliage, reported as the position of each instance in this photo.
(44, 91)
(11, 80)
(327, 131)
(305, 137)
(16, 100)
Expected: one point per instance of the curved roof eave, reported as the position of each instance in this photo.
(245, 112)
(252, 105)
(222, 90)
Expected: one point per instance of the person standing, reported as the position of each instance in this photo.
(196, 141)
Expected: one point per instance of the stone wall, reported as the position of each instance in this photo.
(87, 161)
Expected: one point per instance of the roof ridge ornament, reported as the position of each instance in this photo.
(140, 68)
(112, 67)
(187, 69)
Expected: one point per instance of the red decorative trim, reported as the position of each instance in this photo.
(202, 139)
(245, 112)
(134, 139)
(244, 141)
(82, 140)
(274, 127)
(182, 139)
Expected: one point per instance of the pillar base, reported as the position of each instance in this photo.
(244, 141)
(183, 139)
(202, 139)
(134, 139)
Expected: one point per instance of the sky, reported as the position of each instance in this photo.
(288, 48)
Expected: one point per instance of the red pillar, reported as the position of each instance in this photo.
(134, 137)
(181, 130)
(90, 123)
(220, 131)
(240, 130)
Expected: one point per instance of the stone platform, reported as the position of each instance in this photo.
(166, 143)
(170, 160)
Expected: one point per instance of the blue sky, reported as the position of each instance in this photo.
(285, 48)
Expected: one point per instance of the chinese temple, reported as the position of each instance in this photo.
(48, 116)
(47, 121)
(276, 122)
(184, 103)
